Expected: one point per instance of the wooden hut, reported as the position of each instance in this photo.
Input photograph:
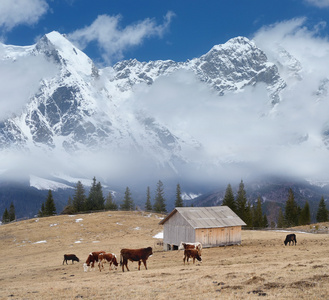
(212, 226)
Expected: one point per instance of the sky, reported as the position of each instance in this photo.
(108, 31)
(230, 129)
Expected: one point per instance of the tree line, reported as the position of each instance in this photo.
(253, 216)
(96, 201)
(9, 215)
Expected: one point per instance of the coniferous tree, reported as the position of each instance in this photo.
(248, 215)
(110, 203)
(322, 214)
(79, 198)
(281, 221)
(95, 200)
(5, 217)
(305, 215)
(42, 212)
(291, 211)
(265, 222)
(159, 201)
(50, 208)
(12, 215)
(258, 214)
(128, 202)
(241, 202)
(69, 208)
(148, 204)
(99, 198)
(229, 198)
(179, 200)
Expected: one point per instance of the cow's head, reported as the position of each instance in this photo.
(149, 251)
(114, 260)
(89, 259)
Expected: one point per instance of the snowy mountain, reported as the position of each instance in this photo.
(78, 108)
(85, 121)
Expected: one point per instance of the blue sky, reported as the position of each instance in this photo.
(108, 31)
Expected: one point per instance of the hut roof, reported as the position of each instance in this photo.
(207, 217)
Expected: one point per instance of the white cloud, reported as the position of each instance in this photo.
(20, 79)
(319, 3)
(17, 12)
(243, 127)
(113, 40)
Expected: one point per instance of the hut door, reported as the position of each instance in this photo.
(204, 237)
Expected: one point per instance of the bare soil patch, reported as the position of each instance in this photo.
(262, 267)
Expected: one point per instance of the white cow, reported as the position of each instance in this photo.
(196, 245)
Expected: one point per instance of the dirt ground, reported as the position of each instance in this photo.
(32, 252)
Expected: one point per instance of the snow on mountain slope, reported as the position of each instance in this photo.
(92, 121)
(45, 184)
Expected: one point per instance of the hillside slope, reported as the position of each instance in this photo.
(33, 251)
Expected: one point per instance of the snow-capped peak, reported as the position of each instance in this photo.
(61, 50)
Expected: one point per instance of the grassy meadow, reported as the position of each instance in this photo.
(261, 267)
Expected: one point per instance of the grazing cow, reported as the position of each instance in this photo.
(193, 253)
(91, 259)
(135, 255)
(196, 245)
(72, 257)
(107, 257)
(290, 238)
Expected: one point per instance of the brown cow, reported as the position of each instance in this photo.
(92, 258)
(193, 253)
(196, 245)
(72, 257)
(135, 255)
(107, 257)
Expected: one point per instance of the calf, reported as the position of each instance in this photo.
(135, 255)
(91, 259)
(72, 257)
(107, 257)
(290, 238)
(193, 253)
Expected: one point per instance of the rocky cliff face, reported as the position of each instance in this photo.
(78, 107)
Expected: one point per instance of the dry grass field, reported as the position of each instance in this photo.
(32, 251)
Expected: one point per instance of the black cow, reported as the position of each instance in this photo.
(72, 257)
(290, 238)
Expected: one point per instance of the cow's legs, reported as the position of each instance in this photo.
(139, 265)
(125, 263)
(144, 262)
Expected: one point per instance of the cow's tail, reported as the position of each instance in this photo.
(121, 262)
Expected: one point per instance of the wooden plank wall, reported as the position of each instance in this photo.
(177, 230)
(218, 236)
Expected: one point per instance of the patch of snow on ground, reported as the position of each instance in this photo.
(51, 225)
(78, 220)
(77, 242)
(137, 228)
(159, 235)
(291, 231)
(40, 242)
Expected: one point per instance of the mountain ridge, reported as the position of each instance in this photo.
(83, 114)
